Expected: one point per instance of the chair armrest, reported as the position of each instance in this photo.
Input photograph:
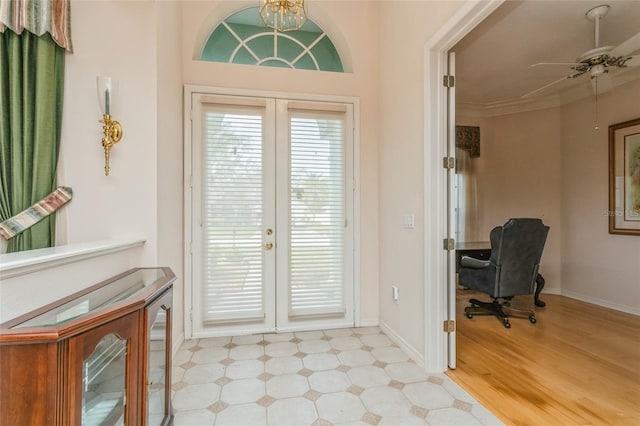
(470, 262)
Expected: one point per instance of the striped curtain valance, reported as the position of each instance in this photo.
(38, 17)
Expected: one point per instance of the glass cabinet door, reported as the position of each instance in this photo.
(102, 364)
(158, 361)
(103, 383)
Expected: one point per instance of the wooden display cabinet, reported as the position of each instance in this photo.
(101, 356)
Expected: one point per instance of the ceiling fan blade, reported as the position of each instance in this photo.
(633, 62)
(564, 64)
(540, 89)
(627, 47)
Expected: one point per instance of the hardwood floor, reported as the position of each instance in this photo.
(579, 365)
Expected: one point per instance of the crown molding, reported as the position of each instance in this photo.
(519, 105)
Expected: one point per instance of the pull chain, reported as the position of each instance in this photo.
(596, 127)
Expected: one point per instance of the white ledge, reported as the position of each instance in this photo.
(26, 262)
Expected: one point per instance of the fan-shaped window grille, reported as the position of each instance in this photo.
(242, 38)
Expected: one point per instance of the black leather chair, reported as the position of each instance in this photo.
(512, 269)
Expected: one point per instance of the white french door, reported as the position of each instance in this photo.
(271, 214)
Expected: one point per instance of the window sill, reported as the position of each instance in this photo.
(26, 262)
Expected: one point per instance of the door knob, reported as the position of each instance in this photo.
(268, 246)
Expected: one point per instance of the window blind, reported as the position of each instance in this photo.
(317, 213)
(233, 204)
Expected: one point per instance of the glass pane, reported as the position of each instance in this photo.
(288, 49)
(306, 37)
(122, 289)
(244, 57)
(262, 46)
(233, 213)
(327, 56)
(103, 383)
(305, 63)
(157, 369)
(220, 46)
(317, 214)
(275, 63)
(245, 31)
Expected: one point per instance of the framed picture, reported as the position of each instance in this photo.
(624, 178)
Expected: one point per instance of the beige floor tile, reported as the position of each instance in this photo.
(291, 412)
(319, 362)
(340, 407)
(242, 391)
(242, 415)
(329, 381)
(341, 377)
(386, 402)
(284, 365)
(368, 376)
(287, 386)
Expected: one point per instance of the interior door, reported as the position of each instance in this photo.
(451, 267)
(272, 224)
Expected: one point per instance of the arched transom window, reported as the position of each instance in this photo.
(242, 38)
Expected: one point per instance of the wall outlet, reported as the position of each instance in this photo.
(395, 293)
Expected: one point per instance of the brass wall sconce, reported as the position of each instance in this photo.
(112, 129)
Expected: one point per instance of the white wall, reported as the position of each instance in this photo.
(519, 174)
(354, 26)
(169, 136)
(552, 164)
(138, 44)
(115, 39)
(596, 266)
(404, 29)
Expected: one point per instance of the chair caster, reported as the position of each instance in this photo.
(506, 323)
(532, 319)
(469, 315)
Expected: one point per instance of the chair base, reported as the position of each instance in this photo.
(501, 310)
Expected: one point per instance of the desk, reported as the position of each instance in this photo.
(476, 249)
(482, 250)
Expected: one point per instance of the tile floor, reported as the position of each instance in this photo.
(353, 376)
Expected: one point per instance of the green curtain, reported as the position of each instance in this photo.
(31, 91)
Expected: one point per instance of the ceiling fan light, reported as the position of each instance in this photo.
(597, 70)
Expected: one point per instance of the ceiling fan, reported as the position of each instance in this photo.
(598, 60)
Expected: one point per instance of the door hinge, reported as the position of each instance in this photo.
(449, 244)
(448, 162)
(449, 81)
(449, 326)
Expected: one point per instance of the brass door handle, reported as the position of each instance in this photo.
(268, 246)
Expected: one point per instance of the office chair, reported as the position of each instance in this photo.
(512, 269)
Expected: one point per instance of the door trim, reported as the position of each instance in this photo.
(468, 16)
(189, 90)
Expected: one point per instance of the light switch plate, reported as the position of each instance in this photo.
(409, 221)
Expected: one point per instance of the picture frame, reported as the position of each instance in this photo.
(624, 178)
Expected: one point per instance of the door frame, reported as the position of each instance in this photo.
(189, 90)
(466, 18)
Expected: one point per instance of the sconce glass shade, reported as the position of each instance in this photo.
(106, 94)
(283, 15)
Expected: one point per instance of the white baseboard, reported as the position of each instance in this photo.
(601, 302)
(552, 290)
(404, 345)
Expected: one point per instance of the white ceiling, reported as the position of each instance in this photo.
(493, 60)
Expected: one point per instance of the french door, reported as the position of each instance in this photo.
(271, 214)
